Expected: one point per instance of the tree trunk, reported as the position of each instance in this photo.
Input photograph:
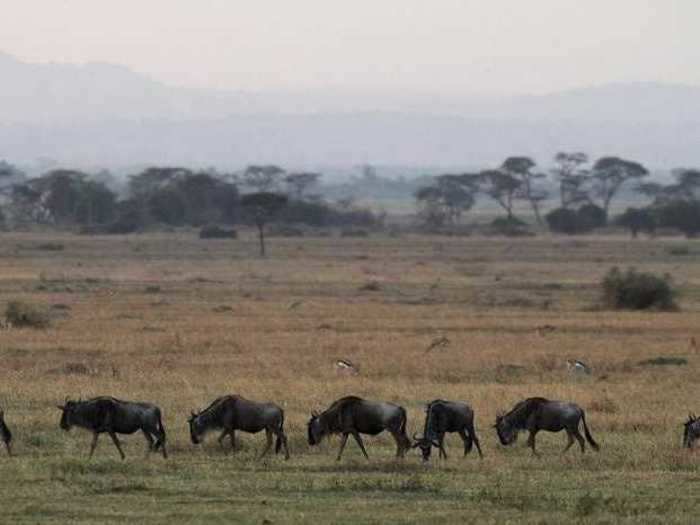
(261, 235)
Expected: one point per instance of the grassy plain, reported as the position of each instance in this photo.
(177, 321)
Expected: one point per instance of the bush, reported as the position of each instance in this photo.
(636, 220)
(568, 221)
(282, 230)
(634, 290)
(510, 227)
(20, 314)
(215, 232)
(683, 215)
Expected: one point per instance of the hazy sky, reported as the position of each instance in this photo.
(448, 46)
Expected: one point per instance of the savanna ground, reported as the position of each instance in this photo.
(178, 321)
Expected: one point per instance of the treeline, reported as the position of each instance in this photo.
(584, 195)
(172, 197)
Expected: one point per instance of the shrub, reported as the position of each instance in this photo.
(568, 221)
(683, 215)
(51, 247)
(510, 227)
(215, 232)
(634, 290)
(20, 314)
(636, 220)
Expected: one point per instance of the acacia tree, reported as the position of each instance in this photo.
(263, 179)
(569, 170)
(301, 182)
(608, 176)
(262, 207)
(522, 168)
(446, 199)
(503, 188)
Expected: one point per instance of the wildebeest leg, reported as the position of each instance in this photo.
(581, 441)
(117, 444)
(343, 440)
(150, 441)
(359, 442)
(221, 440)
(472, 434)
(441, 443)
(93, 445)
(268, 446)
(570, 436)
(531, 441)
(281, 436)
(8, 446)
(399, 445)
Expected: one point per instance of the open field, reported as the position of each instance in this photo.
(178, 321)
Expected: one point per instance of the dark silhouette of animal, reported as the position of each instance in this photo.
(352, 416)
(691, 431)
(5, 433)
(537, 413)
(113, 416)
(442, 417)
(231, 413)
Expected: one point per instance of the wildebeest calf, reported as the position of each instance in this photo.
(113, 416)
(231, 413)
(5, 433)
(442, 417)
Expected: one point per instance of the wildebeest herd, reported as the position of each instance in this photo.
(348, 416)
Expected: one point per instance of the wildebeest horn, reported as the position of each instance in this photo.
(314, 413)
(416, 438)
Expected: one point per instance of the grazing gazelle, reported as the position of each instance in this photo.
(231, 413)
(535, 414)
(113, 416)
(353, 415)
(442, 417)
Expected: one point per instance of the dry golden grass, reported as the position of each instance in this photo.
(177, 321)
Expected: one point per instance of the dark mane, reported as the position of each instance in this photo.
(331, 416)
(216, 406)
(518, 415)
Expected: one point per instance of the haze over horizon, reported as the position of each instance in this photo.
(453, 83)
(450, 46)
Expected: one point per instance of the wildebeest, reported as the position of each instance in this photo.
(5, 433)
(537, 413)
(353, 415)
(113, 416)
(231, 413)
(692, 431)
(442, 417)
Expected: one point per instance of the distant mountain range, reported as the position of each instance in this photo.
(106, 115)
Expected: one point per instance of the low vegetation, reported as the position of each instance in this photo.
(274, 329)
(633, 290)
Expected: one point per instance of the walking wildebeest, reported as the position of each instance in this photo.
(535, 414)
(442, 417)
(113, 416)
(354, 416)
(692, 431)
(5, 433)
(231, 413)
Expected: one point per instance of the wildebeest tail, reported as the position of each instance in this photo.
(278, 442)
(589, 438)
(161, 430)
